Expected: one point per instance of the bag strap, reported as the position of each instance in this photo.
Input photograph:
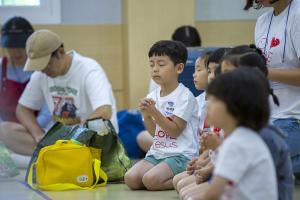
(99, 173)
(4, 70)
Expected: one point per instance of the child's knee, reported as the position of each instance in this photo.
(181, 184)
(183, 194)
(177, 178)
(151, 182)
(132, 180)
(6, 128)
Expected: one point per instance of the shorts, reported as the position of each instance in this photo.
(176, 163)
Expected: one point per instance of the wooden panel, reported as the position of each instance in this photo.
(226, 33)
(100, 42)
(120, 98)
(147, 22)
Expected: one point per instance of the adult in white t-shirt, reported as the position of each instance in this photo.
(277, 34)
(74, 87)
(181, 103)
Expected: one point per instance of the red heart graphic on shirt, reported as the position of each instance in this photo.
(275, 42)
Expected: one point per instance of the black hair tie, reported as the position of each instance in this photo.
(275, 98)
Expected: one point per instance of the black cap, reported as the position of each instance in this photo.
(15, 32)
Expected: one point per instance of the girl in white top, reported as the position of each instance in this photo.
(244, 168)
(200, 77)
(277, 34)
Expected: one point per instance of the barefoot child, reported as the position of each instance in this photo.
(200, 77)
(199, 170)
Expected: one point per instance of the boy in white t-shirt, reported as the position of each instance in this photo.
(170, 115)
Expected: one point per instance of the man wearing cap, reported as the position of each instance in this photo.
(13, 80)
(74, 87)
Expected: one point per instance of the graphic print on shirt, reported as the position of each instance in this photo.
(273, 50)
(65, 110)
(270, 47)
(162, 140)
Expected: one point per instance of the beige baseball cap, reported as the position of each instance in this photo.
(39, 47)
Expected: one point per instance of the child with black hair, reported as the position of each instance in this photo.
(200, 169)
(272, 136)
(214, 60)
(200, 77)
(170, 116)
(244, 167)
(246, 56)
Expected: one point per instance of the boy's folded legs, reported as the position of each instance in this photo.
(133, 178)
(161, 176)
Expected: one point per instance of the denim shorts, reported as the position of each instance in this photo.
(292, 128)
(176, 163)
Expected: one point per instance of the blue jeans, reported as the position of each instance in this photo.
(292, 128)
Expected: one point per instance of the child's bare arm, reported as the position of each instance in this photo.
(150, 125)
(173, 126)
(148, 121)
(216, 189)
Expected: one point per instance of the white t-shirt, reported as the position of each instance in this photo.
(244, 159)
(289, 96)
(202, 113)
(181, 103)
(73, 97)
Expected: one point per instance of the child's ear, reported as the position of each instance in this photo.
(179, 68)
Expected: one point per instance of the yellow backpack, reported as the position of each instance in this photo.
(66, 165)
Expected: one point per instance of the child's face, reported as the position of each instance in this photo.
(227, 67)
(163, 70)
(200, 75)
(211, 71)
(216, 112)
(17, 55)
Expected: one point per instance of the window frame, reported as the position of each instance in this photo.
(49, 12)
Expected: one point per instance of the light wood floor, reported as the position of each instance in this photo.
(15, 189)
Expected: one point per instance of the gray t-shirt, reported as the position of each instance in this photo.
(274, 138)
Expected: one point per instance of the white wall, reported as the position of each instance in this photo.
(91, 11)
(222, 10)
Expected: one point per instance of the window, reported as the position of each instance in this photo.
(19, 2)
(36, 11)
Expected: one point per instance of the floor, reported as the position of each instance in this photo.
(15, 189)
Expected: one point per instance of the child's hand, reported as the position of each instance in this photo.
(191, 166)
(203, 142)
(203, 174)
(200, 163)
(210, 141)
(144, 106)
(151, 109)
